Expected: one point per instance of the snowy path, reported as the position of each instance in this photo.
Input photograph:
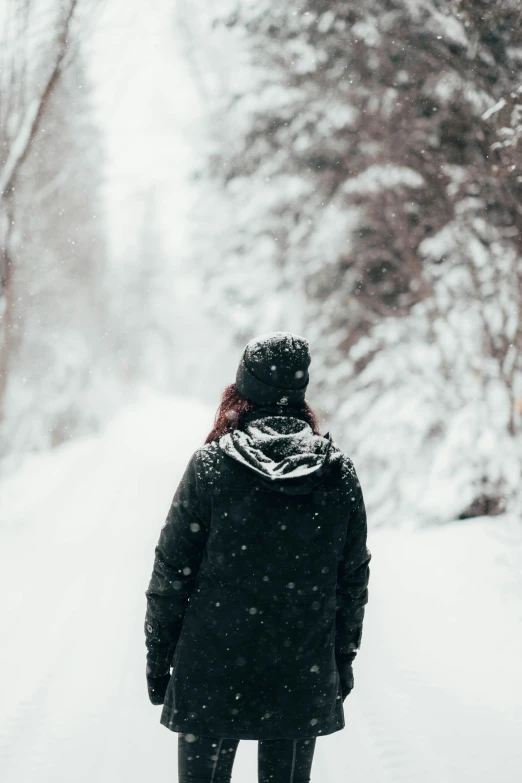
(438, 695)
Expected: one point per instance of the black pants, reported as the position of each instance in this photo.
(210, 759)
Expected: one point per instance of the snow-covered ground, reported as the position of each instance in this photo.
(438, 695)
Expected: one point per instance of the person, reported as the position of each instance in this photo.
(260, 579)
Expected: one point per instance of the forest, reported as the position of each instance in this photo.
(356, 180)
(178, 177)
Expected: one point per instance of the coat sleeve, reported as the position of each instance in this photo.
(177, 560)
(352, 583)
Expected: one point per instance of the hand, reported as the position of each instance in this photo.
(158, 688)
(346, 687)
(346, 678)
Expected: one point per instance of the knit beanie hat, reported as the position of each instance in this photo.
(274, 369)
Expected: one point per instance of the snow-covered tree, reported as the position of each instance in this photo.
(370, 198)
(53, 297)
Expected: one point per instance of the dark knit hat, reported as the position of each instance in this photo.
(274, 369)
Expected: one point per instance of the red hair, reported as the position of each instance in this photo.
(233, 407)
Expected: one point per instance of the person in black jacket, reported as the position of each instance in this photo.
(260, 579)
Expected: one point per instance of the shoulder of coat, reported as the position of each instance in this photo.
(348, 469)
(207, 451)
(208, 460)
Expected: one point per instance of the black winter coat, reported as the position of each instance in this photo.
(259, 585)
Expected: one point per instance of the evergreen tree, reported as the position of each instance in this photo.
(367, 173)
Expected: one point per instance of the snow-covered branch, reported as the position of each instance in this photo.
(35, 109)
